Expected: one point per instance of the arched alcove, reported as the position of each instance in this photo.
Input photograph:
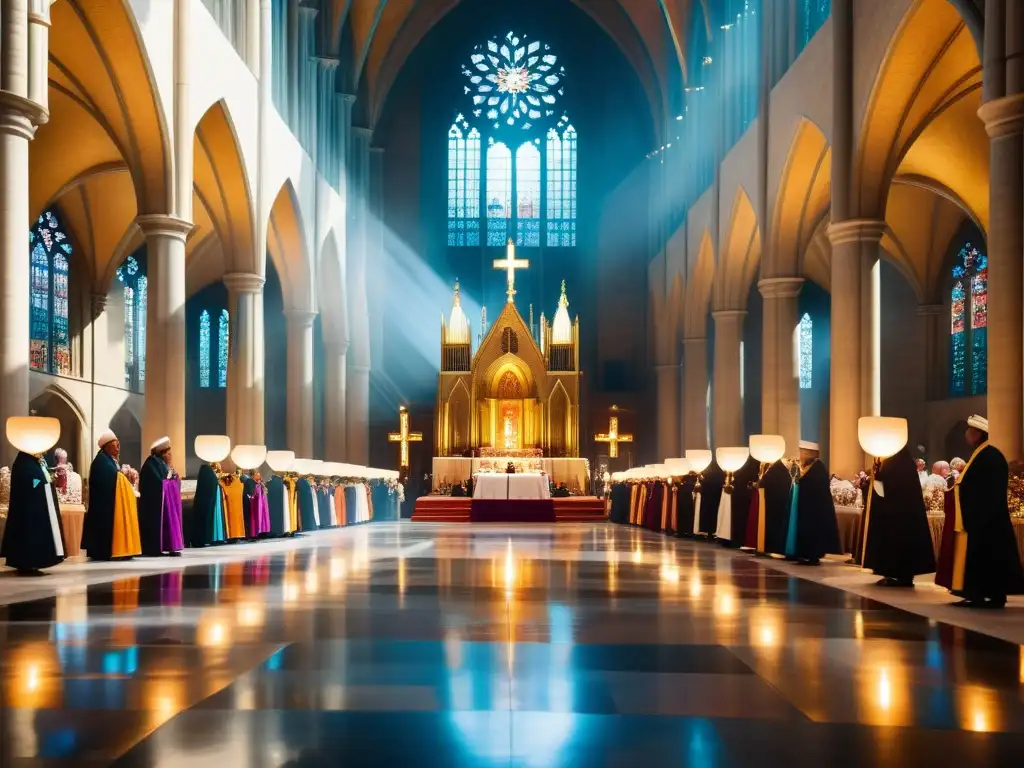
(57, 405)
(129, 434)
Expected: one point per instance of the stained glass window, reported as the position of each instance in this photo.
(813, 14)
(463, 184)
(528, 195)
(969, 340)
(561, 186)
(499, 193)
(204, 349)
(49, 296)
(135, 289)
(223, 331)
(806, 351)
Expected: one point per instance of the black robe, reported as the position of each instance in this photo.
(817, 531)
(29, 540)
(684, 506)
(711, 484)
(777, 484)
(619, 509)
(308, 511)
(323, 501)
(993, 567)
(899, 541)
(206, 529)
(151, 504)
(278, 503)
(98, 527)
(744, 481)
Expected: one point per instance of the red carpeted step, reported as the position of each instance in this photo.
(455, 509)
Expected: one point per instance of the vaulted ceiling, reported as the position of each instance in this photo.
(374, 38)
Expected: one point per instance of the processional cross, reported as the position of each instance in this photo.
(613, 437)
(404, 437)
(510, 264)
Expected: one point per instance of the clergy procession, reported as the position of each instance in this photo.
(153, 520)
(755, 500)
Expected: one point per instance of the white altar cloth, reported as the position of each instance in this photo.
(455, 469)
(503, 486)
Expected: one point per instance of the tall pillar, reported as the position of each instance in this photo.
(300, 381)
(935, 324)
(728, 403)
(23, 50)
(165, 331)
(376, 276)
(245, 417)
(695, 393)
(357, 417)
(358, 389)
(780, 381)
(668, 411)
(855, 245)
(335, 394)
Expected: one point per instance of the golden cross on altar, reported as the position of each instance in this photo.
(510, 264)
(404, 437)
(612, 437)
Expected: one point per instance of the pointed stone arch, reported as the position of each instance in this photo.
(286, 245)
(459, 417)
(558, 421)
(740, 256)
(697, 302)
(330, 292)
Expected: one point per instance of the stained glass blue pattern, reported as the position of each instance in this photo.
(223, 331)
(499, 193)
(463, 184)
(561, 186)
(969, 340)
(135, 291)
(806, 337)
(49, 296)
(204, 349)
(528, 195)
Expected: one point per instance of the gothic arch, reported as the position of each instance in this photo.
(559, 406)
(698, 290)
(740, 256)
(923, 106)
(330, 291)
(510, 363)
(459, 406)
(286, 244)
(70, 414)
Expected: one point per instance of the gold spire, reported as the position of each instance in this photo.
(561, 326)
(458, 331)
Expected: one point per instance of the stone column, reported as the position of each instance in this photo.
(1004, 122)
(855, 245)
(165, 331)
(376, 276)
(728, 403)
(780, 374)
(935, 323)
(245, 417)
(300, 381)
(335, 389)
(668, 411)
(358, 385)
(358, 414)
(695, 393)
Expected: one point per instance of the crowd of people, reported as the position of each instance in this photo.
(786, 510)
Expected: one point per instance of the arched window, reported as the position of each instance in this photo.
(209, 359)
(805, 339)
(499, 193)
(463, 184)
(969, 339)
(135, 291)
(49, 333)
(223, 331)
(204, 349)
(813, 14)
(561, 208)
(528, 195)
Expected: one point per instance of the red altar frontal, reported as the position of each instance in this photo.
(454, 509)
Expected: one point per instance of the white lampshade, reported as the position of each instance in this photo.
(699, 459)
(213, 448)
(882, 436)
(33, 434)
(281, 461)
(678, 467)
(731, 459)
(248, 456)
(767, 448)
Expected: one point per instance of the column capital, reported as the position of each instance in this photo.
(300, 318)
(780, 287)
(99, 304)
(328, 62)
(244, 282)
(20, 116)
(931, 310)
(164, 225)
(856, 231)
(348, 98)
(1004, 116)
(729, 314)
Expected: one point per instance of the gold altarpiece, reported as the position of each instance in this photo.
(513, 394)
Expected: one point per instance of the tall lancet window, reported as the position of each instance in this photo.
(463, 184)
(49, 289)
(223, 331)
(805, 347)
(499, 193)
(969, 337)
(561, 186)
(213, 359)
(204, 349)
(528, 195)
(135, 289)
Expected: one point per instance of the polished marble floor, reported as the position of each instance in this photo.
(433, 645)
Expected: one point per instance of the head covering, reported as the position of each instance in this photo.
(978, 422)
(958, 463)
(161, 445)
(807, 445)
(105, 437)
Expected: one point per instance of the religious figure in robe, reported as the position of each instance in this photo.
(282, 505)
(257, 510)
(684, 506)
(711, 484)
(986, 563)
(325, 507)
(111, 527)
(209, 508)
(351, 504)
(768, 522)
(813, 528)
(618, 510)
(309, 512)
(732, 520)
(160, 526)
(898, 542)
(34, 534)
(234, 492)
(340, 510)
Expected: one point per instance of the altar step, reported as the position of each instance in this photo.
(454, 509)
